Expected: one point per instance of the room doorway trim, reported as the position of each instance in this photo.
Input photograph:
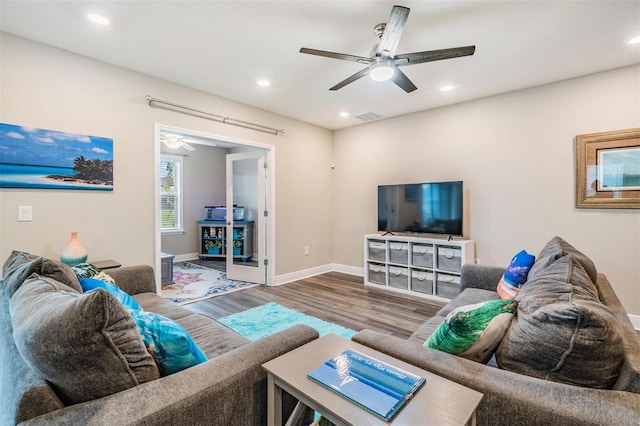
(216, 140)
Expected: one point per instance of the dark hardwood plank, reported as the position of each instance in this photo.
(339, 298)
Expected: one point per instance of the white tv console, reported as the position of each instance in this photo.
(421, 266)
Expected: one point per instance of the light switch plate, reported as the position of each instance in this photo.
(25, 213)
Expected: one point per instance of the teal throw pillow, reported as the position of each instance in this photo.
(474, 331)
(89, 284)
(168, 343)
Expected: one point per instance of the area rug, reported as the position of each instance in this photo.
(192, 283)
(270, 318)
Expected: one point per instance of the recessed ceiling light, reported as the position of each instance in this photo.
(447, 88)
(264, 83)
(634, 40)
(344, 114)
(98, 19)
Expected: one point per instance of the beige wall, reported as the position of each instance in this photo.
(53, 89)
(514, 152)
(515, 155)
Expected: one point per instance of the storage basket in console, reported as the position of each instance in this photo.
(377, 273)
(398, 277)
(377, 251)
(422, 281)
(450, 259)
(399, 253)
(447, 286)
(422, 255)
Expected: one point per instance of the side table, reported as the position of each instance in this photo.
(105, 264)
(438, 402)
(166, 268)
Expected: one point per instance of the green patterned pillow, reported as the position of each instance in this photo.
(87, 270)
(474, 331)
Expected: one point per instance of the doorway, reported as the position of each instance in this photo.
(219, 171)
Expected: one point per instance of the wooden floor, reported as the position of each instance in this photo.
(339, 298)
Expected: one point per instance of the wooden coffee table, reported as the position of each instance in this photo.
(438, 402)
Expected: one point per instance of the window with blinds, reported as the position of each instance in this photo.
(170, 193)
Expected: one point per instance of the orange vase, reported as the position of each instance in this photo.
(74, 252)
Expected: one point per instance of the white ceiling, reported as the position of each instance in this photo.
(224, 47)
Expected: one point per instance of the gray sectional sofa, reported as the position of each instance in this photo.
(228, 389)
(570, 356)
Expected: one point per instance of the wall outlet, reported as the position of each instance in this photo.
(306, 250)
(477, 260)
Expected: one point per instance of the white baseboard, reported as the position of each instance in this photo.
(635, 320)
(347, 269)
(185, 257)
(323, 269)
(300, 275)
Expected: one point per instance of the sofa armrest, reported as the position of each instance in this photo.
(511, 398)
(134, 279)
(227, 390)
(480, 276)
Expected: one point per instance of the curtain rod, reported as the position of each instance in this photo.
(207, 115)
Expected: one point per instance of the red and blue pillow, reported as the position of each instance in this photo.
(515, 275)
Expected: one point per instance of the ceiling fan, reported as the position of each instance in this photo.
(175, 142)
(383, 63)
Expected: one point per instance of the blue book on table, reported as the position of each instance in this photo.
(374, 385)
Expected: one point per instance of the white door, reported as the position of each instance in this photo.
(246, 189)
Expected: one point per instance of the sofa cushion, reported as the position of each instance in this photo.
(86, 345)
(562, 332)
(557, 248)
(515, 275)
(153, 303)
(211, 336)
(17, 268)
(20, 265)
(426, 329)
(474, 331)
(169, 343)
(23, 393)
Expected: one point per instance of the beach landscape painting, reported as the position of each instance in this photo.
(49, 159)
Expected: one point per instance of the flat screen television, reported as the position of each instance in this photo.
(430, 208)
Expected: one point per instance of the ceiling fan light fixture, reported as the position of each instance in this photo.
(172, 143)
(381, 71)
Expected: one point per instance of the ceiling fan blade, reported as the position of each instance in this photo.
(433, 55)
(403, 81)
(351, 79)
(342, 56)
(188, 147)
(392, 31)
